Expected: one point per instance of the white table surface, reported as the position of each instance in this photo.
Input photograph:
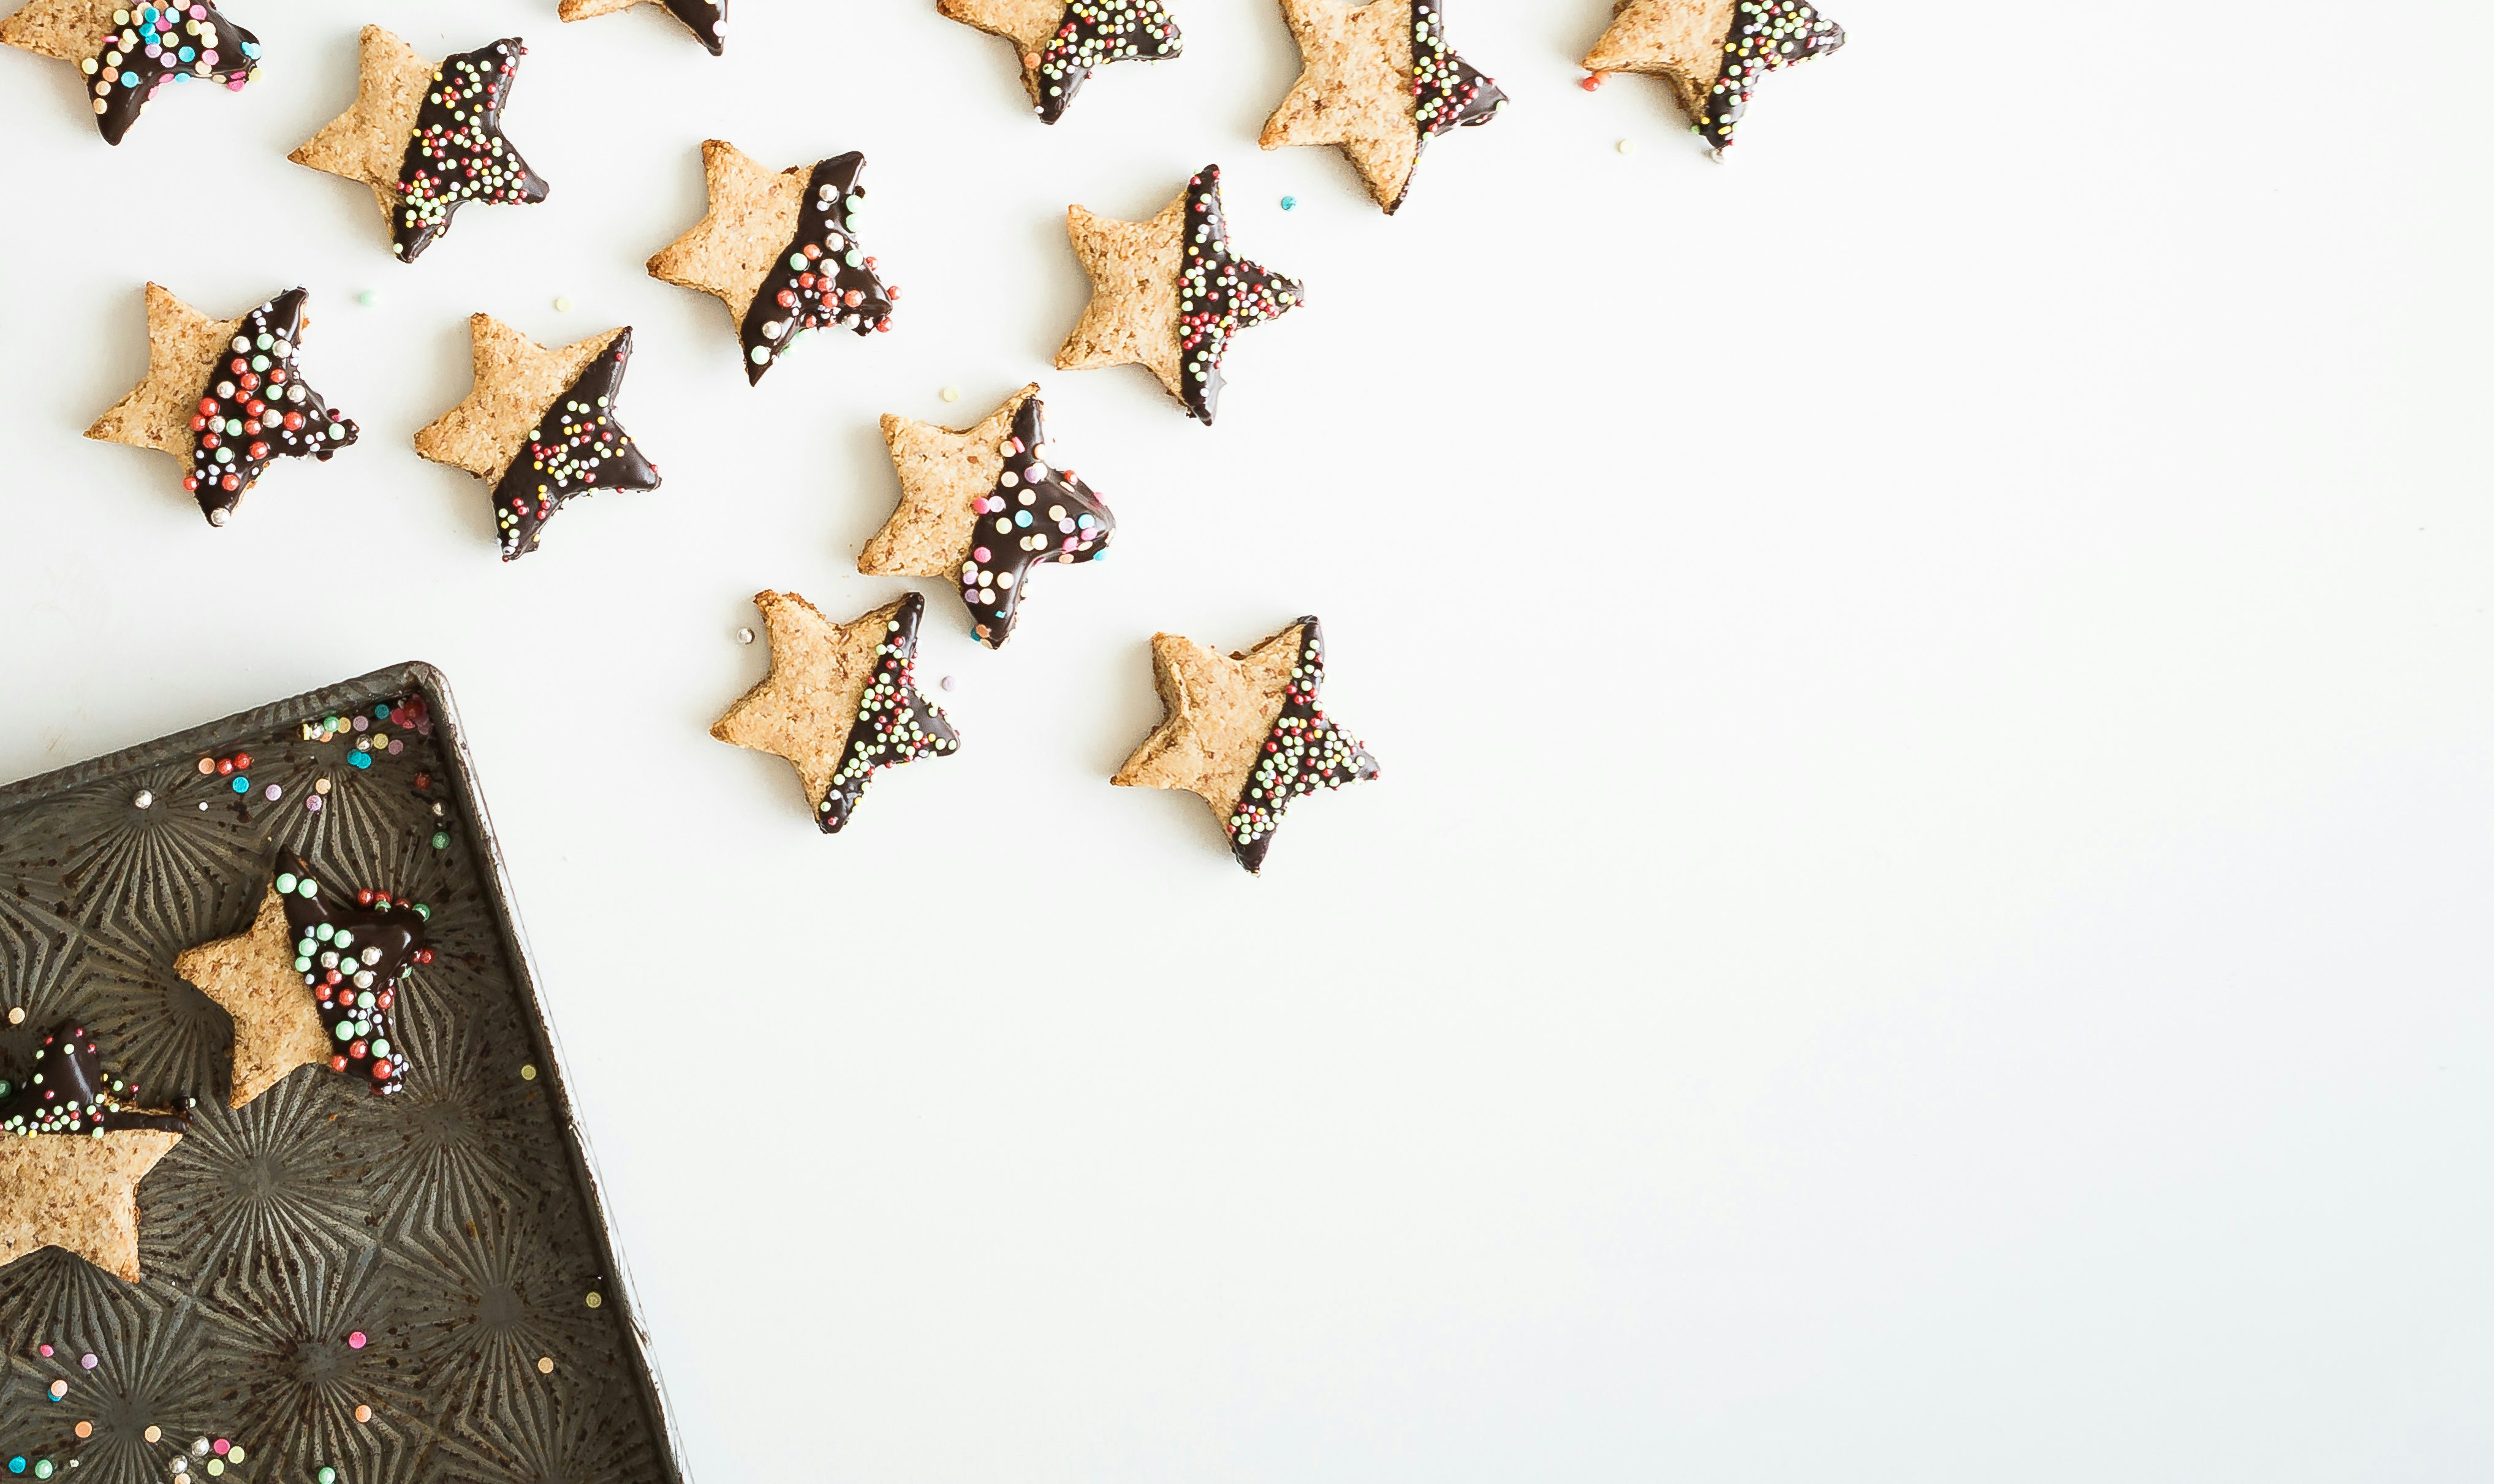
(1925, 916)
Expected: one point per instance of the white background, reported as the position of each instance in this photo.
(1926, 914)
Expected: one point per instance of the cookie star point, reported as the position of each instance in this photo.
(840, 701)
(129, 53)
(252, 977)
(1244, 734)
(1060, 43)
(1378, 80)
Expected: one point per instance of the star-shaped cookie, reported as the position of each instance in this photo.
(312, 982)
(984, 506)
(227, 396)
(781, 250)
(1169, 293)
(128, 52)
(707, 19)
(1061, 42)
(71, 1154)
(427, 137)
(1244, 732)
(539, 427)
(1713, 52)
(840, 701)
(1379, 79)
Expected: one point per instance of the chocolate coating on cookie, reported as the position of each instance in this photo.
(160, 44)
(1218, 294)
(67, 1092)
(1766, 35)
(457, 152)
(824, 278)
(1304, 752)
(352, 950)
(1449, 92)
(575, 447)
(1093, 34)
(256, 408)
(1036, 514)
(895, 724)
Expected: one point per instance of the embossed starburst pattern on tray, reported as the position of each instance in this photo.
(405, 1289)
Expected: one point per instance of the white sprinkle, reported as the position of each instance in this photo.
(946, 683)
(951, 394)
(146, 799)
(745, 636)
(562, 304)
(1628, 146)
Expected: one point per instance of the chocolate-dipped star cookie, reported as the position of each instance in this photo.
(1380, 81)
(707, 19)
(1244, 732)
(128, 52)
(226, 395)
(73, 1150)
(840, 701)
(1713, 52)
(539, 427)
(311, 983)
(427, 137)
(1169, 293)
(1059, 42)
(984, 506)
(781, 252)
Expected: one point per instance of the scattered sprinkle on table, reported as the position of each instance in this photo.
(356, 1340)
(364, 1412)
(146, 799)
(951, 394)
(745, 636)
(369, 298)
(545, 1365)
(1628, 146)
(18, 1016)
(562, 304)
(946, 683)
(154, 1433)
(1290, 203)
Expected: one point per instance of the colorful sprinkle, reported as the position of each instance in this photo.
(146, 799)
(562, 304)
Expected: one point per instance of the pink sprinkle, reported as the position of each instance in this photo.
(356, 1341)
(88, 1361)
(275, 792)
(222, 1447)
(363, 723)
(981, 555)
(43, 1349)
(397, 746)
(312, 804)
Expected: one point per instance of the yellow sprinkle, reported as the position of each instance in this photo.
(951, 394)
(545, 1365)
(595, 1301)
(1628, 146)
(18, 1016)
(528, 1074)
(154, 1434)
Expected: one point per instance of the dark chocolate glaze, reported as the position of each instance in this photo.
(576, 447)
(1766, 35)
(895, 724)
(1447, 92)
(256, 408)
(1036, 513)
(1304, 752)
(457, 152)
(707, 19)
(1094, 32)
(162, 43)
(1219, 293)
(799, 294)
(66, 1092)
(352, 948)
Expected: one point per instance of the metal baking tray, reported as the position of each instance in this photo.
(414, 1288)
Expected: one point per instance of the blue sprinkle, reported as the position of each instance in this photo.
(1290, 203)
(188, 55)
(359, 759)
(242, 785)
(251, 49)
(17, 1466)
(380, 710)
(1022, 518)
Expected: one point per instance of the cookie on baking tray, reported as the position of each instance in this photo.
(73, 1147)
(1060, 43)
(705, 20)
(539, 427)
(312, 982)
(1169, 293)
(427, 137)
(985, 507)
(1713, 52)
(128, 52)
(1379, 79)
(840, 701)
(227, 396)
(781, 250)
(1244, 732)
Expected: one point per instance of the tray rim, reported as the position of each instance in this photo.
(427, 679)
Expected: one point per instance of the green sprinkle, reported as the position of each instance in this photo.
(441, 840)
(328, 1475)
(284, 882)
